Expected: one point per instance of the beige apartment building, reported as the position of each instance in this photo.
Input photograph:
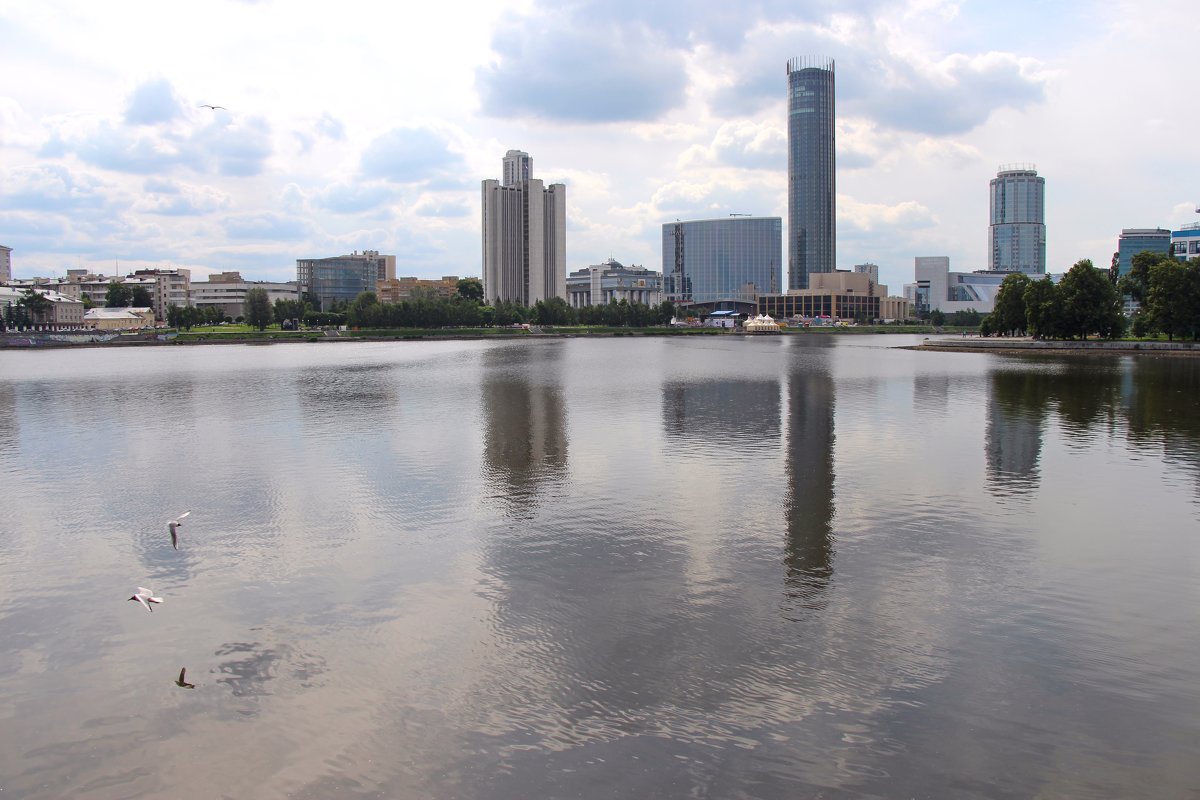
(397, 290)
(118, 319)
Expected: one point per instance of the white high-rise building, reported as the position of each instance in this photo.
(524, 235)
(518, 168)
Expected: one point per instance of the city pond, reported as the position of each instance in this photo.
(719, 566)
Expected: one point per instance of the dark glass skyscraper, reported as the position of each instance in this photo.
(812, 223)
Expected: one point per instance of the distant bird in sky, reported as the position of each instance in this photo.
(183, 684)
(146, 597)
(172, 525)
(214, 108)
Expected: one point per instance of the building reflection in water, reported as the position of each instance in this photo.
(722, 414)
(809, 499)
(1016, 412)
(525, 425)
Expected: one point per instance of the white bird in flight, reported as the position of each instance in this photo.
(146, 597)
(172, 525)
(214, 108)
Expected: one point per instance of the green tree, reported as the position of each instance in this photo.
(257, 308)
(936, 318)
(117, 295)
(140, 297)
(1136, 282)
(1043, 309)
(1090, 303)
(470, 289)
(36, 305)
(1167, 299)
(1008, 316)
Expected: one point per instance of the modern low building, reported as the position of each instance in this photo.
(611, 282)
(722, 262)
(1136, 240)
(343, 277)
(850, 296)
(398, 290)
(1185, 242)
(938, 289)
(227, 291)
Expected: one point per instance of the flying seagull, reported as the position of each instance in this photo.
(172, 525)
(146, 597)
(214, 108)
(183, 684)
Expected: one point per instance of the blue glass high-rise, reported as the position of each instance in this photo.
(812, 189)
(1017, 234)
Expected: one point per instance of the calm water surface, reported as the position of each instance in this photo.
(723, 567)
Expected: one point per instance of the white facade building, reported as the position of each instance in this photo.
(524, 235)
(613, 282)
(227, 291)
(938, 289)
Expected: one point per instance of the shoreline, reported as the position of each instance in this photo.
(1026, 347)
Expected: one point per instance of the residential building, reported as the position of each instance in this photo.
(837, 295)
(167, 287)
(868, 269)
(1017, 233)
(118, 319)
(612, 281)
(343, 277)
(728, 260)
(61, 312)
(5, 264)
(1185, 242)
(812, 168)
(227, 291)
(938, 289)
(524, 235)
(398, 290)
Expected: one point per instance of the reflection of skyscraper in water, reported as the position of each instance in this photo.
(1016, 409)
(808, 506)
(738, 415)
(525, 438)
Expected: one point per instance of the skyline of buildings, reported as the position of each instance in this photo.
(524, 235)
(812, 170)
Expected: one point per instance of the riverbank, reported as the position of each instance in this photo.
(1033, 347)
(56, 340)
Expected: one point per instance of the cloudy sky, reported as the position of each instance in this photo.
(363, 125)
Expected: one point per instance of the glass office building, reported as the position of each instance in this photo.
(1134, 240)
(1017, 234)
(343, 277)
(812, 189)
(717, 260)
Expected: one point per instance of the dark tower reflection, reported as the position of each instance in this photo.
(1016, 413)
(525, 424)
(808, 504)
